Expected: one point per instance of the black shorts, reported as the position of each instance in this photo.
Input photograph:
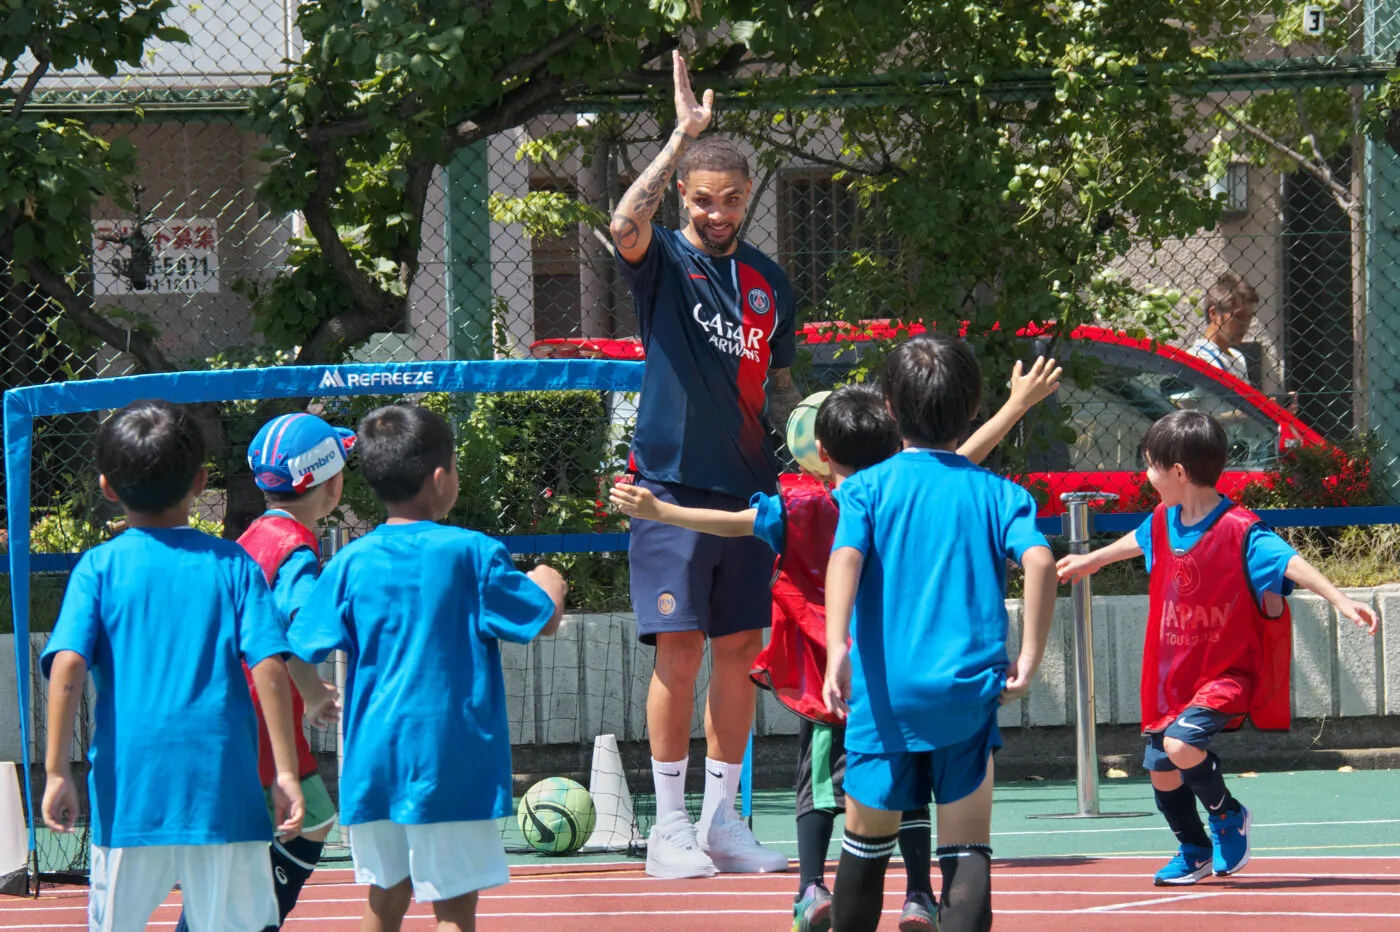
(821, 767)
(683, 580)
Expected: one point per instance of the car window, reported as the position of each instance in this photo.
(1134, 388)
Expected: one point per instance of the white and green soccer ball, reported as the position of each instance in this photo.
(556, 816)
(802, 434)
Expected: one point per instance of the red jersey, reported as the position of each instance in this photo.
(793, 665)
(270, 540)
(1209, 643)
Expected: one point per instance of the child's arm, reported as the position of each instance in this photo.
(548, 579)
(637, 502)
(275, 696)
(322, 699)
(1027, 391)
(1306, 575)
(1039, 601)
(67, 677)
(1076, 566)
(842, 576)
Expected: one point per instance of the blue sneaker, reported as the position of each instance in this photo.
(1231, 836)
(812, 913)
(1192, 862)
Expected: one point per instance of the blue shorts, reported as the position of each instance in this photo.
(683, 580)
(1196, 726)
(908, 779)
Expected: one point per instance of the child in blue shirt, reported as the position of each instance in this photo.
(916, 636)
(1218, 640)
(419, 607)
(164, 616)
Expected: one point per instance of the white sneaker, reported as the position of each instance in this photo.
(672, 851)
(734, 850)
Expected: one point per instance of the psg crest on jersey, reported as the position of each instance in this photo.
(758, 300)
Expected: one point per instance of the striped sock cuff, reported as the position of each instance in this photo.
(918, 823)
(962, 851)
(870, 849)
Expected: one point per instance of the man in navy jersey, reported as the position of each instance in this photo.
(717, 319)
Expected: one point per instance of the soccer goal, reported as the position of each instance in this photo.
(539, 440)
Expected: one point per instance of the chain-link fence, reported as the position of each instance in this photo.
(515, 261)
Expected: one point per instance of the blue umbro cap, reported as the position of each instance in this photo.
(295, 452)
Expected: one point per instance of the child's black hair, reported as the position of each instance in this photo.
(150, 451)
(1192, 438)
(855, 428)
(933, 387)
(400, 446)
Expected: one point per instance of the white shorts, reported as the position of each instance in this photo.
(225, 888)
(445, 859)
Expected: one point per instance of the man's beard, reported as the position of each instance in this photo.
(716, 247)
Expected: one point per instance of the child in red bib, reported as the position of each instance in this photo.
(854, 431)
(1218, 636)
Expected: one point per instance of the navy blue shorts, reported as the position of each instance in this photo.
(1196, 727)
(683, 580)
(909, 779)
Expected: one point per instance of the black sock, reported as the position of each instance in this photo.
(1207, 781)
(813, 841)
(292, 864)
(1179, 806)
(860, 882)
(966, 904)
(182, 926)
(916, 846)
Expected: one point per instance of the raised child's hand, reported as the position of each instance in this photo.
(60, 805)
(1075, 567)
(691, 116)
(1361, 614)
(288, 804)
(634, 501)
(837, 687)
(322, 707)
(1030, 388)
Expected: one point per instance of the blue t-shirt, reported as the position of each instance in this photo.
(769, 525)
(1266, 554)
(712, 327)
(296, 577)
(163, 617)
(419, 609)
(928, 651)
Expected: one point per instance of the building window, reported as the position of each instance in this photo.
(555, 263)
(819, 226)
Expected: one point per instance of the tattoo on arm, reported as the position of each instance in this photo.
(783, 398)
(639, 204)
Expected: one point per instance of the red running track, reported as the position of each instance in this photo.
(1084, 895)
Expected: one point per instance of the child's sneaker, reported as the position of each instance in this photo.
(920, 914)
(734, 850)
(1192, 862)
(1231, 836)
(812, 913)
(672, 851)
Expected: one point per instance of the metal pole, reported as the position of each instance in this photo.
(331, 541)
(1078, 527)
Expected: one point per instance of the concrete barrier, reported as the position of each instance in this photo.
(592, 677)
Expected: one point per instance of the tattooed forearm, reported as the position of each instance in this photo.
(783, 398)
(639, 204)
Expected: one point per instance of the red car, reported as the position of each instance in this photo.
(1136, 383)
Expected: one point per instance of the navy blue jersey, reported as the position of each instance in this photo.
(711, 326)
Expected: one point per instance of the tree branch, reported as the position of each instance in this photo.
(1320, 172)
(80, 312)
(41, 67)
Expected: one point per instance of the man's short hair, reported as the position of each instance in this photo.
(150, 452)
(855, 427)
(933, 386)
(400, 446)
(1228, 292)
(713, 154)
(1192, 438)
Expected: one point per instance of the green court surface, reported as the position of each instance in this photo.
(1295, 814)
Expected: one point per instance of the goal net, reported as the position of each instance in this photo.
(539, 441)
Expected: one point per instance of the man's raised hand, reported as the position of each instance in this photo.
(691, 116)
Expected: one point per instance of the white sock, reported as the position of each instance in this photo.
(721, 789)
(670, 785)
